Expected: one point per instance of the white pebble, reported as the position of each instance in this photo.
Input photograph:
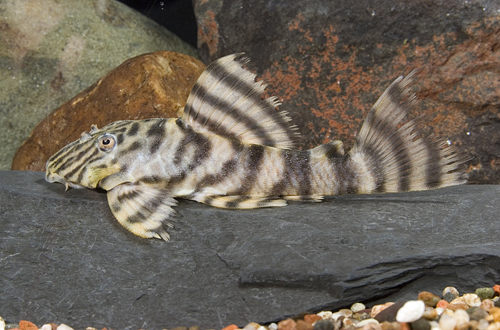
(2, 324)
(461, 316)
(365, 322)
(272, 326)
(439, 310)
(434, 325)
(483, 324)
(447, 322)
(249, 326)
(335, 316)
(411, 311)
(325, 315)
(472, 299)
(262, 328)
(357, 307)
(63, 326)
(46, 327)
(458, 300)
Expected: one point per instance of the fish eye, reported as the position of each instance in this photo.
(106, 142)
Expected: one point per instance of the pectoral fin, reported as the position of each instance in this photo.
(144, 211)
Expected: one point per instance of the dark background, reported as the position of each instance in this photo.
(176, 16)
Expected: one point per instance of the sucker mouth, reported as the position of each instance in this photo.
(53, 177)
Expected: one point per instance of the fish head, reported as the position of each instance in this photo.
(97, 155)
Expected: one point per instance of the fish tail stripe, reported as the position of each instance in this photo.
(252, 165)
(391, 159)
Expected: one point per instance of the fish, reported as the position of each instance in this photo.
(232, 148)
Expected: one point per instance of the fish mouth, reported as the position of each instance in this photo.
(52, 177)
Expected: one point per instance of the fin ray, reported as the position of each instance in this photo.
(240, 202)
(142, 210)
(226, 100)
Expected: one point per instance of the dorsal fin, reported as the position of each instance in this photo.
(226, 100)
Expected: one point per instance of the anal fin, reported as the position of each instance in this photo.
(240, 202)
(142, 210)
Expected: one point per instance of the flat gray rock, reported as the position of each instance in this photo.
(65, 259)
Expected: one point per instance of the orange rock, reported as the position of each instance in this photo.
(287, 324)
(495, 313)
(27, 325)
(231, 327)
(497, 290)
(443, 304)
(311, 318)
(405, 326)
(147, 86)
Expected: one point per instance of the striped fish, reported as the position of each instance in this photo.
(232, 149)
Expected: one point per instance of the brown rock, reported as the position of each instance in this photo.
(428, 298)
(147, 86)
(311, 318)
(303, 325)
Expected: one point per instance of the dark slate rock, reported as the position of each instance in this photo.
(330, 60)
(63, 257)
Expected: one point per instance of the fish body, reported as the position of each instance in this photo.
(233, 149)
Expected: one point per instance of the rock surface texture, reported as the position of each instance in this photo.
(51, 50)
(64, 259)
(147, 86)
(330, 60)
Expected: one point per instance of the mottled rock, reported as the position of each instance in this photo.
(51, 50)
(330, 61)
(485, 293)
(147, 86)
(235, 266)
(428, 298)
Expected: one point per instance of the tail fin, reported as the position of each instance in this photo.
(389, 157)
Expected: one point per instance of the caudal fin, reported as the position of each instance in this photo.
(391, 156)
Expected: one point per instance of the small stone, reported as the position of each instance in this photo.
(272, 326)
(2, 324)
(389, 313)
(485, 293)
(369, 324)
(477, 313)
(421, 324)
(195, 327)
(494, 326)
(461, 316)
(434, 325)
(311, 318)
(367, 321)
(346, 312)
(325, 315)
(49, 327)
(442, 304)
(347, 322)
(428, 298)
(449, 297)
(287, 324)
(447, 322)
(303, 325)
(430, 314)
(458, 300)
(472, 299)
(63, 326)
(482, 324)
(324, 325)
(27, 325)
(496, 288)
(457, 306)
(229, 327)
(439, 310)
(357, 307)
(452, 290)
(250, 326)
(378, 308)
(487, 304)
(495, 313)
(411, 311)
